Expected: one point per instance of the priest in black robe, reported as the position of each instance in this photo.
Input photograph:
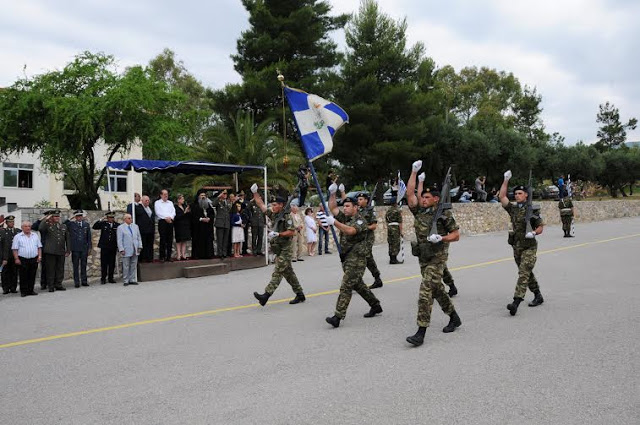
(202, 218)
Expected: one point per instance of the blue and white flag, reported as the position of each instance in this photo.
(317, 120)
(402, 189)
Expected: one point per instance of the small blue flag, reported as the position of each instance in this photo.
(317, 120)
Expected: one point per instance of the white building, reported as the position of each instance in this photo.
(24, 184)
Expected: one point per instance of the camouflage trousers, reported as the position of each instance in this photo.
(371, 262)
(566, 222)
(353, 268)
(432, 288)
(446, 276)
(283, 269)
(393, 238)
(526, 260)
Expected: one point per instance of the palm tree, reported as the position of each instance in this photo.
(243, 142)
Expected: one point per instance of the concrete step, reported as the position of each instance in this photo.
(206, 270)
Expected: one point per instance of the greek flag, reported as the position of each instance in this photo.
(317, 120)
(402, 189)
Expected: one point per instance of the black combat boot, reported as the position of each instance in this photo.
(453, 291)
(300, 298)
(418, 338)
(375, 309)
(537, 299)
(454, 322)
(393, 259)
(262, 298)
(333, 321)
(513, 307)
(377, 283)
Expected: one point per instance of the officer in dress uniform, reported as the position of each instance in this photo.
(108, 245)
(9, 269)
(36, 226)
(56, 246)
(80, 234)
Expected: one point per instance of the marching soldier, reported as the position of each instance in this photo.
(393, 218)
(280, 241)
(80, 235)
(353, 240)
(108, 245)
(258, 222)
(567, 212)
(432, 252)
(56, 246)
(9, 269)
(524, 243)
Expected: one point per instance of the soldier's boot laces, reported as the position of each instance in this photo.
(262, 298)
(454, 322)
(376, 309)
(453, 291)
(418, 338)
(300, 298)
(393, 259)
(513, 307)
(537, 300)
(377, 283)
(333, 321)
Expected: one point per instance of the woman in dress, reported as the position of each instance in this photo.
(310, 225)
(237, 234)
(182, 228)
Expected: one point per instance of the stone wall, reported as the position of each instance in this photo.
(473, 218)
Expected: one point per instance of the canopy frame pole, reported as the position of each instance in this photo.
(109, 187)
(264, 238)
(235, 179)
(133, 200)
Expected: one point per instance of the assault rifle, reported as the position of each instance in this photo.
(529, 213)
(287, 206)
(444, 203)
(371, 195)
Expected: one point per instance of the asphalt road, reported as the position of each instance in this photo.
(201, 351)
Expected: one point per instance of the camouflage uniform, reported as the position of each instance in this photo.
(394, 220)
(281, 246)
(369, 215)
(432, 264)
(446, 276)
(566, 214)
(355, 248)
(524, 250)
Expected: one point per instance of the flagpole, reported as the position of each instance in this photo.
(313, 170)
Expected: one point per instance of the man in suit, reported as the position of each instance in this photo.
(146, 221)
(129, 245)
(108, 246)
(56, 246)
(80, 234)
(222, 223)
(9, 269)
(136, 202)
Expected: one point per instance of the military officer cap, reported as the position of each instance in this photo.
(10, 218)
(363, 195)
(78, 212)
(48, 212)
(519, 187)
(280, 200)
(110, 214)
(54, 213)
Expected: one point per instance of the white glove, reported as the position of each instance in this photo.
(421, 177)
(341, 188)
(416, 166)
(333, 188)
(254, 188)
(273, 234)
(507, 175)
(434, 238)
(530, 235)
(330, 220)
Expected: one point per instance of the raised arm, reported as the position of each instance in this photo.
(333, 204)
(502, 195)
(257, 198)
(412, 200)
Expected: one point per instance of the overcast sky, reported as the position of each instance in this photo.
(577, 53)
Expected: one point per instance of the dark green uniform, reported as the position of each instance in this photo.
(281, 247)
(354, 248)
(257, 220)
(432, 259)
(393, 217)
(57, 245)
(10, 270)
(369, 215)
(565, 205)
(524, 250)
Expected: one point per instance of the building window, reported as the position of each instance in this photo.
(17, 175)
(118, 181)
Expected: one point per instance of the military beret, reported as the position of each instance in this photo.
(350, 199)
(10, 218)
(280, 200)
(78, 212)
(519, 187)
(432, 190)
(363, 195)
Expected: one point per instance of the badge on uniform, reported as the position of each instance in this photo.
(360, 222)
(289, 222)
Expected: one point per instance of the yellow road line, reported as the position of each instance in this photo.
(318, 294)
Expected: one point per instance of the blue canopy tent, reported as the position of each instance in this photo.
(184, 167)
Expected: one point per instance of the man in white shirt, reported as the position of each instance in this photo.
(27, 254)
(165, 213)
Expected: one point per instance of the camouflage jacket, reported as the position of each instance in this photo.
(517, 214)
(565, 206)
(370, 217)
(394, 215)
(424, 219)
(353, 244)
(282, 225)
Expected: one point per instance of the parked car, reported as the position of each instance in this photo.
(550, 192)
(388, 198)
